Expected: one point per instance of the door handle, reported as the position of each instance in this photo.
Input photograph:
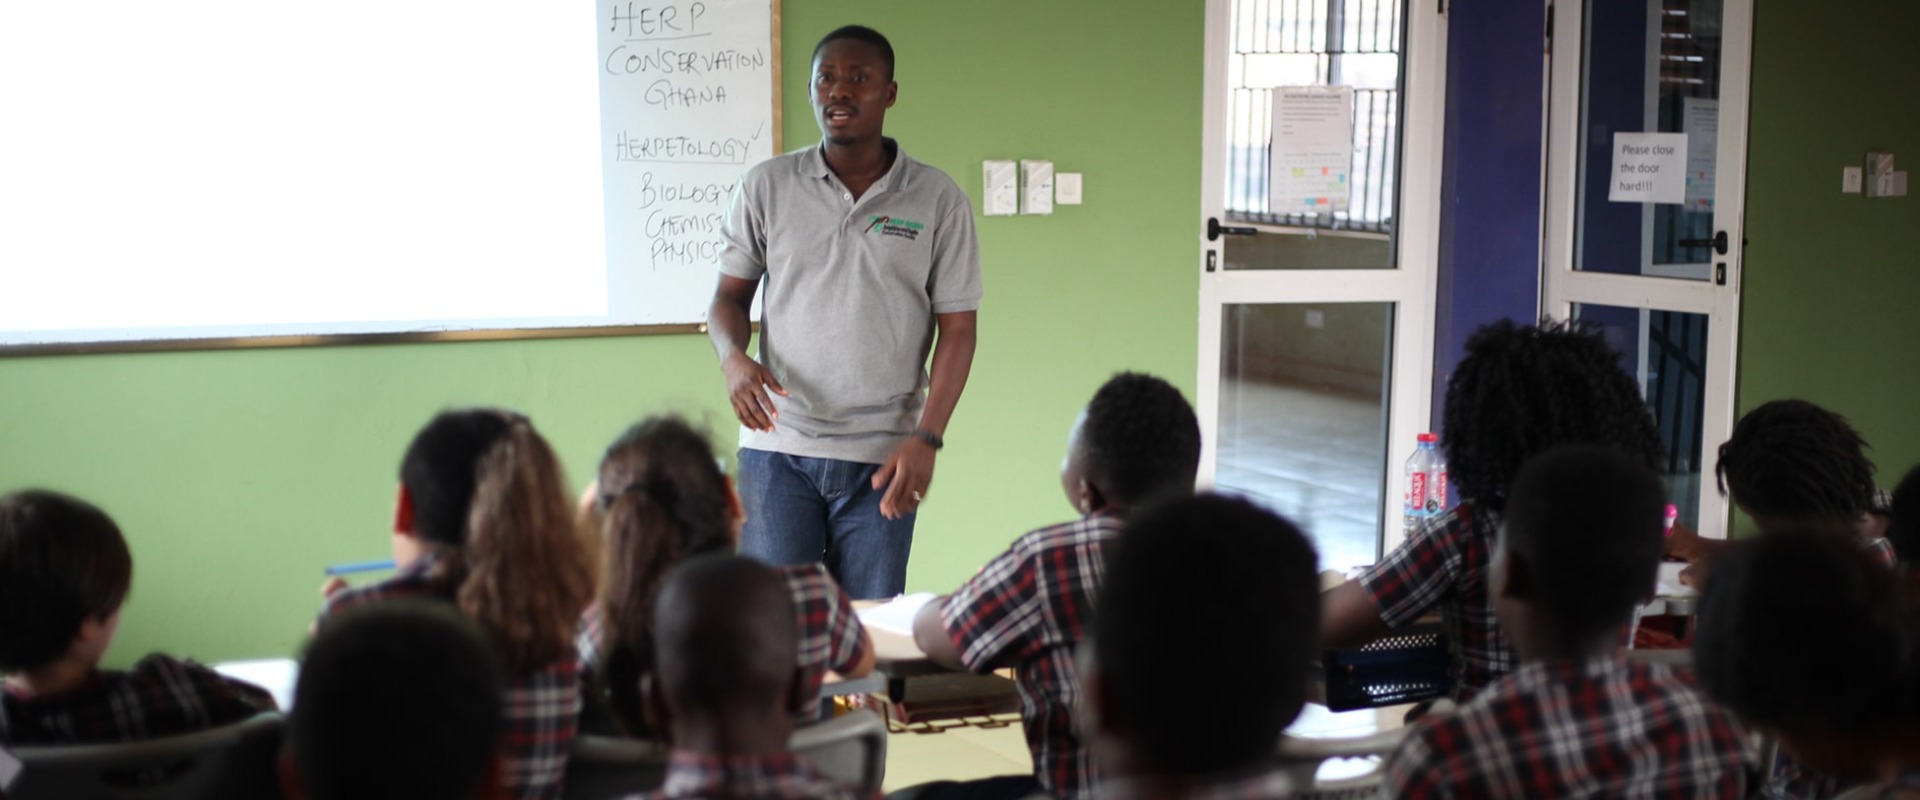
(1215, 230)
(1718, 242)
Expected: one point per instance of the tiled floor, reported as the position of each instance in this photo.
(1313, 456)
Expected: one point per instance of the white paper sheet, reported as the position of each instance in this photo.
(1700, 118)
(1668, 582)
(1312, 150)
(896, 616)
(1648, 168)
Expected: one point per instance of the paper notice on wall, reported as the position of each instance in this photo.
(1700, 119)
(1649, 168)
(1312, 150)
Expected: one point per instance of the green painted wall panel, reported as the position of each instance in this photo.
(1832, 281)
(238, 474)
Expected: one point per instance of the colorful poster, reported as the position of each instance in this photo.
(1311, 155)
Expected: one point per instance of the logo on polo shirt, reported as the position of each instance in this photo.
(894, 226)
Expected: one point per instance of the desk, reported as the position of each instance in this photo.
(895, 656)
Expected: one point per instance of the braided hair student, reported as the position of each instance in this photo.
(1522, 390)
(1792, 465)
(662, 500)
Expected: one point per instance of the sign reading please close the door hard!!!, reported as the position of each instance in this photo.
(1649, 168)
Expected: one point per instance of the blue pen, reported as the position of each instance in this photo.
(363, 566)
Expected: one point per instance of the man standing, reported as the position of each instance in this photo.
(865, 253)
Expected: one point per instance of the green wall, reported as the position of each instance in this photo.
(238, 474)
(1832, 281)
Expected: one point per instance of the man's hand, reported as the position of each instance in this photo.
(1683, 543)
(906, 476)
(748, 382)
(332, 586)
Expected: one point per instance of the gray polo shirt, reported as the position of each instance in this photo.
(851, 291)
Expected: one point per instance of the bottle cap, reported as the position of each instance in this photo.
(1428, 437)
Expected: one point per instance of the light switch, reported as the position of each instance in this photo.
(1000, 193)
(1036, 187)
(1850, 180)
(1066, 188)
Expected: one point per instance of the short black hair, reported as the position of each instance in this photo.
(1794, 459)
(397, 700)
(859, 33)
(1141, 438)
(1803, 631)
(1235, 586)
(1903, 518)
(1588, 521)
(441, 470)
(1521, 390)
(724, 634)
(62, 562)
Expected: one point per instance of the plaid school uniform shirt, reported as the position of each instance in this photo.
(541, 709)
(1788, 779)
(1260, 784)
(831, 636)
(1604, 727)
(161, 696)
(1029, 608)
(697, 776)
(1446, 564)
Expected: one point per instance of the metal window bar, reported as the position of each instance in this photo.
(1326, 30)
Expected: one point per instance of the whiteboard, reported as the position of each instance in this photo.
(230, 171)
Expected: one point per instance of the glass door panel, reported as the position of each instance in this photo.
(1646, 182)
(1651, 67)
(1666, 352)
(1303, 418)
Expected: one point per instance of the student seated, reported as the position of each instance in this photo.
(663, 500)
(1234, 585)
(1576, 557)
(1810, 640)
(64, 571)
(396, 701)
(1519, 392)
(1030, 607)
(724, 635)
(483, 521)
(1792, 465)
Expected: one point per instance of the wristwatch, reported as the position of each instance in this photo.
(932, 439)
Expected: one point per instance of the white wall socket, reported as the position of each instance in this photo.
(1000, 189)
(1036, 179)
(1850, 180)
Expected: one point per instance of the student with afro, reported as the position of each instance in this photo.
(1521, 391)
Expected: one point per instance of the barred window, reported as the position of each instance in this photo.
(1352, 43)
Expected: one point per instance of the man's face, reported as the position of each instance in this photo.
(852, 90)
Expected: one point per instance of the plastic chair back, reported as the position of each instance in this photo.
(237, 760)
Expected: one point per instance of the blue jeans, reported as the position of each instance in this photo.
(801, 510)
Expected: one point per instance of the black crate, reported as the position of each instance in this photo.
(1407, 666)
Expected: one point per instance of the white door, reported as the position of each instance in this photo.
(1643, 241)
(1316, 295)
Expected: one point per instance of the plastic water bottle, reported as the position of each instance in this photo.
(1426, 484)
